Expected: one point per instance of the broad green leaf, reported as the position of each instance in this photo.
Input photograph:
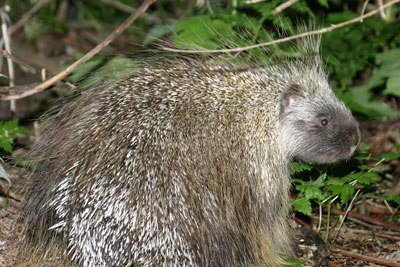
(320, 180)
(335, 181)
(346, 193)
(313, 192)
(336, 189)
(299, 167)
(302, 205)
(7, 132)
(393, 85)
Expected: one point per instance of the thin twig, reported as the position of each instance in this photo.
(363, 9)
(367, 258)
(368, 219)
(384, 235)
(254, 1)
(22, 21)
(345, 215)
(283, 6)
(83, 59)
(382, 11)
(4, 53)
(286, 39)
(209, 7)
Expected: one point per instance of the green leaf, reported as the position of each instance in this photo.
(364, 146)
(320, 180)
(365, 178)
(7, 132)
(391, 156)
(313, 192)
(336, 189)
(323, 3)
(393, 85)
(299, 167)
(347, 192)
(302, 205)
(293, 262)
(335, 181)
(395, 198)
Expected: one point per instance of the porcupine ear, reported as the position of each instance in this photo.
(288, 98)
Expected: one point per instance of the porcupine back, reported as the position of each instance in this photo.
(183, 163)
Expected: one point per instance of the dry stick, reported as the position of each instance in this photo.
(283, 6)
(345, 215)
(367, 258)
(363, 9)
(4, 53)
(209, 7)
(382, 11)
(27, 16)
(286, 39)
(378, 234)
(390, 226)
(254, 1)
(83, 59)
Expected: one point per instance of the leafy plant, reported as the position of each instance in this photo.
(328, 188)
(8, 130)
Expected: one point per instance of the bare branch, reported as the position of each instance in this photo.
(4, 53)
(209, 7)
(345, 215)
(363, 9)
(283, 6)
(367, 258)
(382, 11)
(286, 39)
(254, 1)
(83, 59)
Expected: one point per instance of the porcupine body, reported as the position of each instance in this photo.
(184, 163)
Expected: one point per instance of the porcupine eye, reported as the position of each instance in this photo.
(324, 122)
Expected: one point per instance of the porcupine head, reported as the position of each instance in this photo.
(185, 163)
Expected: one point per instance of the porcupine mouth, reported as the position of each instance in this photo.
(342, 156)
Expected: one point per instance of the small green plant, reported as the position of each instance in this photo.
(329, 188)
(8, 130)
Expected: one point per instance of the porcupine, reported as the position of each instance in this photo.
(184, 163)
